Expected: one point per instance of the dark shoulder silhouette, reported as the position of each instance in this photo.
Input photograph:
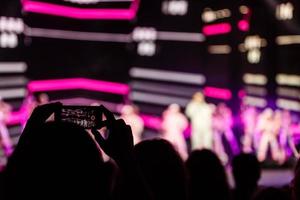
(207, 177)
(162, 168)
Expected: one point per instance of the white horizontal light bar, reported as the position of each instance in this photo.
(288, 104)
(12, 93)
(177, 7)
(164, 75)
(11, 25)
(288, 79)
(255, 79)
(288, 39)
(180, 36)
(13, 67)
(158, 99)
(260, 91)
(12, 81)
(163, 88)
(111, 37)
(77, 35)
(288, 92)
(255, 101)
(219, 49)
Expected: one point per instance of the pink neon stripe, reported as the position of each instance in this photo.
(152, 122)
(16, 117)
(216, 29)
(78, 83)
(218, 93)
(80, 13)
(244, 25)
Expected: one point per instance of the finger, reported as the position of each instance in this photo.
(109, 115)
(43, 112)
(98, 137)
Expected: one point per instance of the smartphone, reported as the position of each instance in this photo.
(87, 117)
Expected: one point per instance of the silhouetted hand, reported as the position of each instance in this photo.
(41, 113)
(119, 143)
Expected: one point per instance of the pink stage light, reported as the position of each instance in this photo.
(81, 13)
(152, 122)
(218, 93)
(16, 117)
(242, 94)
(78, 83)
(216, 29)
(243, 25)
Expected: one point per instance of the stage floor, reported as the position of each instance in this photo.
(271, 177)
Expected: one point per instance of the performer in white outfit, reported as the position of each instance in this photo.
(201, 114)
(268, 128)
(249, 118)
(5, 110)
(222, 125)
(131, 117)
(286, 135)
(174, 124)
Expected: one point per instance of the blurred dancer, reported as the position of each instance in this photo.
(286, 136)
(173, 126)
(200, 114)
(268, 127)
(222, 125)
(249, 118)
(5, 110)
(130, 115)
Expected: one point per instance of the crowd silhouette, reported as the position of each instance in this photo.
(55, 160)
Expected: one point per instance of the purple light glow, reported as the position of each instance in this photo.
(80, 13)
(216, 29)
(78, 83)
(218, 93)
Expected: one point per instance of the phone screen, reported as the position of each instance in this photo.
(85, 116)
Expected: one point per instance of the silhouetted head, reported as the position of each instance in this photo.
(199, 97)
(207, 177)
(296, 182)
(271, 193)
(246, 171)
(163, 169)
(55, 160)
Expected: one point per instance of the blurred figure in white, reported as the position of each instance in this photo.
(222, 125)
(130, 115)
(286, 136)
(174, 123)
(268, 128)
(5, 111)
(249, 119)
(201, 114)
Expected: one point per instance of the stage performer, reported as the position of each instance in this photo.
(174, 123)
(268, 129)
(201, 114)
(286, 136)
(5, 111)
(130, 115)
(249, 119)
(222, 125)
